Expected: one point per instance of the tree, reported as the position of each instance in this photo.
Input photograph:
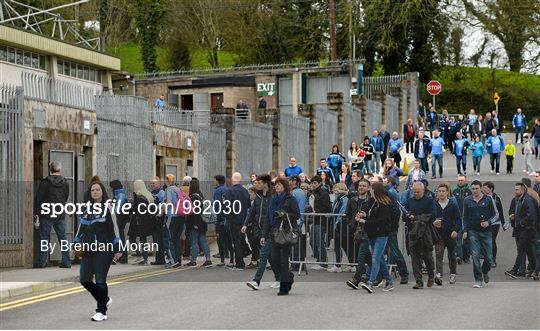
(456, 37)
(513, 23)
(148, 15)
(178, 54)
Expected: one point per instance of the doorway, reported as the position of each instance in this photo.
(187, 101)
(216, 100)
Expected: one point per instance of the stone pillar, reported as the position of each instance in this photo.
(379, 96)
(225, 118)
(271, 117)
(335, 103)
(296, 91)
(309, 111)
(359, 101)
(403, 103)
(414, 82)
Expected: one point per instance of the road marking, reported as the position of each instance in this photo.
(78, 289)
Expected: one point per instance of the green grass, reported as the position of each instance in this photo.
(130, 56)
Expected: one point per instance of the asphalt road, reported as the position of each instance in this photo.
(218, 298)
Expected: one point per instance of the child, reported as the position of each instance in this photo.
(478, 151)
(510, 151)
(528, 152)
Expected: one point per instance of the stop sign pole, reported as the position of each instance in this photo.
(434, 88)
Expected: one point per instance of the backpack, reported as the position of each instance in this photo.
(180, 208)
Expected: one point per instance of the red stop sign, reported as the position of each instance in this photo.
(434, 87)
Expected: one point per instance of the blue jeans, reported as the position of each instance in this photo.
(481, 242)
(436, 158)
(461, 161)
(263, 259)
(476, 163)
(377, 161)
(462, 247)
(96, 264)
(519, 132)
(536, 147)
(45, 234)
(318, 241)
(368, 165)
(364, 256)
(397, 256)
(377, 246)
(198, 237)
(175, 229)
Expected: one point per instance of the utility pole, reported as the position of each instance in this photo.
(333, 55)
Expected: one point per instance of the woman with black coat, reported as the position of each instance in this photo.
(378, 225)
(142, 223)
(196, 226)
(283, 203)
(98, 226)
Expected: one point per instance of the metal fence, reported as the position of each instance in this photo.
(58, 91)
(124, 140)
(211, 156)
(327, 132)
(374, 115)
(294, 139)
(388, 84)
(11, 165)
(391, 113)
(253, 147)
(330, 231)
(352, 125)
(183, 119)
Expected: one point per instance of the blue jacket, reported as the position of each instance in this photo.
(301, 199)
(477, 148)
(432, 118)
(329, 173)
(120, 197)
(427, 147)
(519, 120)
(293, 171)
(451, 217)
(474, 212)
(335, 160)
(239, 193)
(218, 196)
(339, 207)
(378, 143)
(494, 147)
(417, 207)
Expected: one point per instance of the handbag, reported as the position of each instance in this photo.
(284, 237)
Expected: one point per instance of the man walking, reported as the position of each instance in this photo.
(524, 220)
(495, 146)
(479, 212)
(53, 189)
(321, 205)
(422, 148)
(378, 146)
(223, 235)
(519, 123)
(421, 215)
(385, 135)
(460, 192)
(436, 145)
(235, 221)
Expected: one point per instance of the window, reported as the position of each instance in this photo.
(35, 61)
(41, 62)
(19, 59)
(86, 73)
(3, 53)
(73, 70)
(98, 76)
(80, 71)
(60, 66)
(11, 55)
(66, 68)
(27, 58)
(92, 75)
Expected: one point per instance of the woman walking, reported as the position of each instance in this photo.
(478, 151)
(377, 225)
(282, 210)
(369, 150)
(335, 160)
(98, 228)
(197, 226)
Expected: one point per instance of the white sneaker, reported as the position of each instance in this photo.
(98, 317)
(452, 278)
(138, 261)
(253, 285)
(477, 174)
(318, 267)
(491, 171)
(274, 285)
(498, 174)
(477, 285)
(334, 269)
(109, 302)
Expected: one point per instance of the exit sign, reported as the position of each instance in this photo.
(266, 89)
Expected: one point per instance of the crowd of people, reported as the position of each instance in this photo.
(359, 189)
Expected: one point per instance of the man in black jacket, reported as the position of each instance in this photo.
(524, 219)
(321, 205)
(235, 221)
(256, 218)
(52, 190)
(422, 148)
(420, 209)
